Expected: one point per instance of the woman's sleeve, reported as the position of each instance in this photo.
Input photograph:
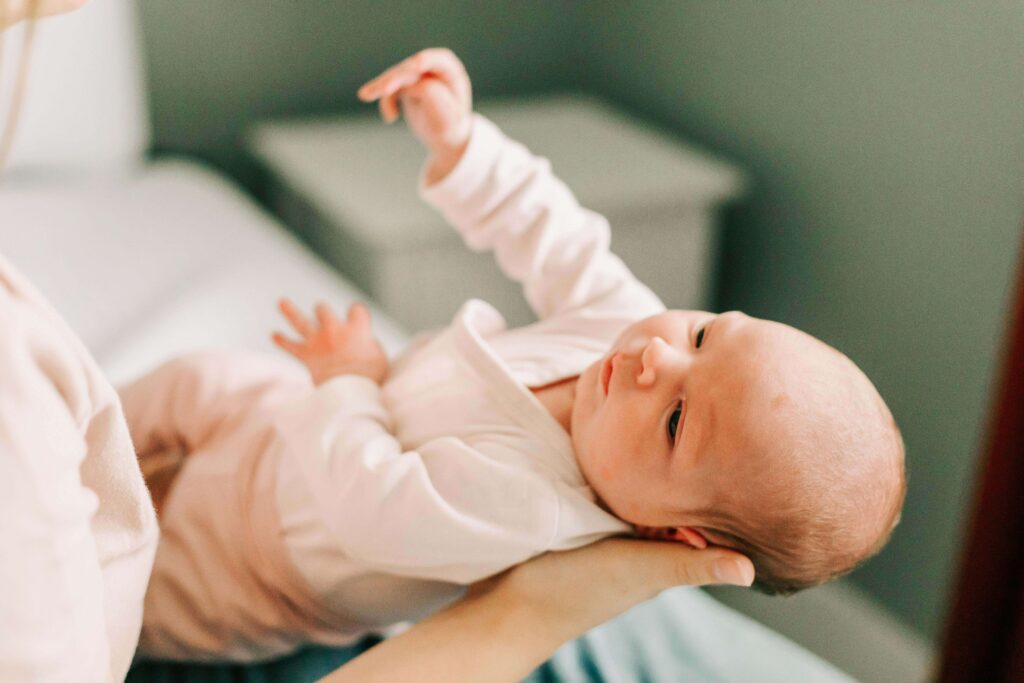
(501, 197)
(52, 620)
(445, 511)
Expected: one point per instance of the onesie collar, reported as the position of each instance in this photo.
(477, 319)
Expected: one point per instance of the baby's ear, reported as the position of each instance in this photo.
(681, 534)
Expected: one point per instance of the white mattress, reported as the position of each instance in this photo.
(159, 262)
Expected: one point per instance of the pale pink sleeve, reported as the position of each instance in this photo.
(443, 511)
(501, 197)
(52, 620)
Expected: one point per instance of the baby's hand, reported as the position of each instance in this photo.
(434, 91)
(331, 347)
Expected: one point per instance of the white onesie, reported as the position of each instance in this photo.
(392, 497)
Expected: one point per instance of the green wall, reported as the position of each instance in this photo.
(216, 65)
(886, 147)
(885, 144)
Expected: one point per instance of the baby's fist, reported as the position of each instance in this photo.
(332, 347)
(434, 91)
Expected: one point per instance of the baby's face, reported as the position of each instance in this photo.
(668, 417)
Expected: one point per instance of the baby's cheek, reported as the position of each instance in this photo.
(612, 471)
(611, 467)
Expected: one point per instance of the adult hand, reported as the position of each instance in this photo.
(507, 625)
(571, 592)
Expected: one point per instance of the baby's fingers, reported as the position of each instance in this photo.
(358, 315)
(389, 108)
(437, 61)
(295, 317)
(390, 82)
(325, 316)
(297, 349)
(442, 63)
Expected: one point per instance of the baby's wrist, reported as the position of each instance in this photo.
(374, 374)
(442, 163)
(444, 158)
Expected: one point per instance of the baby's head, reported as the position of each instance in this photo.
(745, 433)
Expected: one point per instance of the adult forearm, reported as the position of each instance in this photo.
(480, 638)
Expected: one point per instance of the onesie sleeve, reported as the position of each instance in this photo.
(52, 618)
(501, 197)
(445, 511)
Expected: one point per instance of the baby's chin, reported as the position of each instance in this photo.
(583, 401)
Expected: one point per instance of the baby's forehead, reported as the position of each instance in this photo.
(783, 378)
(778, 354)
(778, 337)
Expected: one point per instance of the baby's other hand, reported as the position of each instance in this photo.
(332, 347)
(435, 95)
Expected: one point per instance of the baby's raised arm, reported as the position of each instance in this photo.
(501, 197)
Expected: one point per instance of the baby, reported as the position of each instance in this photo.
(319, 511)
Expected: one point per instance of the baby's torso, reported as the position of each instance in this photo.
(468, 384)
(452, 387)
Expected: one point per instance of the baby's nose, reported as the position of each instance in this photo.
(658, 357)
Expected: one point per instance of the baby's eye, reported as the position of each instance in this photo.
(700, 337)
(673, 422)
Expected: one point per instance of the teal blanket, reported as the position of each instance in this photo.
(683, 635)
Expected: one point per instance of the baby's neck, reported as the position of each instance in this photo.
(558, 398)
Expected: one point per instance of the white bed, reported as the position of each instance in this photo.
(143, 259)
(149, 259)
(167, 258)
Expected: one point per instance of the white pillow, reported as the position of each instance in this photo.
(85, 104)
